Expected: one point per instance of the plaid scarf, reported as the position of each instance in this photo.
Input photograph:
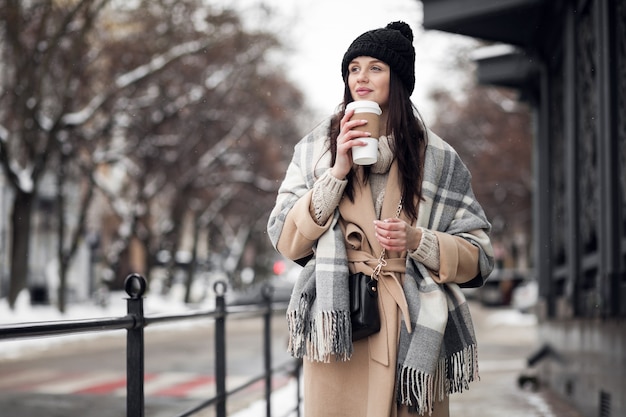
(439, 356)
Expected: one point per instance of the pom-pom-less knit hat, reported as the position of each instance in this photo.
(393, 45)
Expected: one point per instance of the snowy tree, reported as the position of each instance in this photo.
(159, 107)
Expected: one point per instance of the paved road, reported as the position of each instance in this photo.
(87, 378)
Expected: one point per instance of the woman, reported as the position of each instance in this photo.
(335, 218)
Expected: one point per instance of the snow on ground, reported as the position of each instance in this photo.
(511, 317)
(24, 312)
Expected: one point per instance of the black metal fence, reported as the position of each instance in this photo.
(135, 321)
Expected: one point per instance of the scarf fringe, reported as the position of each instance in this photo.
(419, 390)
(320, 338)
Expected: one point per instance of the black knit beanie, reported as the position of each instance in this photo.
(393, 45)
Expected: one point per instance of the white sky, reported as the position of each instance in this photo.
(320, 31)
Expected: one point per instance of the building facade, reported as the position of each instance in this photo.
(568, 60)
(5, 199)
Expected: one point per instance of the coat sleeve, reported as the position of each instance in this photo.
(458, 259)
(300, 231)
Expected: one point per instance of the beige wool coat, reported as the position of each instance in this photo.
(364, 385)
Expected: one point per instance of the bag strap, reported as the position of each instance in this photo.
(381, 259)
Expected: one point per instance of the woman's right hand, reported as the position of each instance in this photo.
(346, 140)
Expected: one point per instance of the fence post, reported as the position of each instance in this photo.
(220, 348)
(267, 346)
(135, 286)
(297, 374)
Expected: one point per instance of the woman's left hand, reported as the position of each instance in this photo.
(397, 235)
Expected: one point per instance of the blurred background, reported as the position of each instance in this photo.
(150, 137)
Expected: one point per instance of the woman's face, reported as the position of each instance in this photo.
(368, 79)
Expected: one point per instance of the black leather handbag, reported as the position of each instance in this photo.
(364, 312)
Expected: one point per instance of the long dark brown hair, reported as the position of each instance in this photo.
(407, 127)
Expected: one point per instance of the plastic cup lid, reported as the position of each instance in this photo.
(366, 105)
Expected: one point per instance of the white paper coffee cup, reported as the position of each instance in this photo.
(366, 155)
(370, 111)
